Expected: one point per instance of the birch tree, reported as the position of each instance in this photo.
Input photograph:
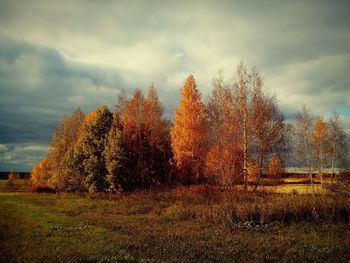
(303, 130)
(224, 159)
(242, 92)
(319, 135)
(336, 144)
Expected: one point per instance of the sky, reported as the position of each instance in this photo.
(56, 56)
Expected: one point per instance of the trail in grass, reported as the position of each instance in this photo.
(34, 233)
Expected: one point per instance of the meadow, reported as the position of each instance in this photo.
(183, 224)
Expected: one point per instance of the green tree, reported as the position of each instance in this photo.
(91, 146)
(114, 156)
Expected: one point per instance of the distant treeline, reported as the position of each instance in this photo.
(235, 136)
(19, 175)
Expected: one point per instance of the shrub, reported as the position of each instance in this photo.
(10, 183)
(13, 175)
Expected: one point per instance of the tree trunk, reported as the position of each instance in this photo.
(308, 160)
(333, 161)
(245, 164)
(321, 163)
(259, 174)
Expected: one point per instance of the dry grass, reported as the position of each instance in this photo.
(289, 209)
(185, 224)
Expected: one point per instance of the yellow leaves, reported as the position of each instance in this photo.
(189, 91)
(39, 175)
(320, 130)
(91, 116)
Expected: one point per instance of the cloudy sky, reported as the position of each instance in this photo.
(58, 55)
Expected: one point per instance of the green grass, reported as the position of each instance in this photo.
(186, 224)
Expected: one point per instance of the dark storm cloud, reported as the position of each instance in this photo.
(40, 81)
(38, 86)
(56, 56)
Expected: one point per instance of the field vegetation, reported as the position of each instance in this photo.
(183, 224)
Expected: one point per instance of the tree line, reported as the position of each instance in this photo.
(235, 136)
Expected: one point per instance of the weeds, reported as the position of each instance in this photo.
(184, 224)
(288, 209)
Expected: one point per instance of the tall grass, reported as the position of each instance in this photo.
(260, 208)
(288, 209)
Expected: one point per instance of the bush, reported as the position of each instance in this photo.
(13, 175)
(11, 180)
(10, 183)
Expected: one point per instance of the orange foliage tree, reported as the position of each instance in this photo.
(133, 134)
(224, 159)
(188, 135)
(146, 139)
(157, 134)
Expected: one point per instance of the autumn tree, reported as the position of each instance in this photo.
(91, 146)
(61, 147)
(261, 128)
(188, 135)
(242, 92)
(146, 138)
(245, 127)
(269, 132)
(319, 136)
(303, 137)
(40, 175)
(224, 159)
(336, 144)
(133, 136)
(52, 172)
(157, 134)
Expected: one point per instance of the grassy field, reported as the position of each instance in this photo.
(186, 224)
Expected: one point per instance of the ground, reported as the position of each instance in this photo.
(186, 224)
